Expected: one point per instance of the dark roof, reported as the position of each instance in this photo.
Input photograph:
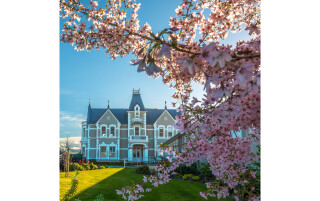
(136, 99)
(94, 114)
(154, 114)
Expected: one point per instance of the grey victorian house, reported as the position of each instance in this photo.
(131, 134)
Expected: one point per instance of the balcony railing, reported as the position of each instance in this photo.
(142, 132)
(138, 138)
(137, 120)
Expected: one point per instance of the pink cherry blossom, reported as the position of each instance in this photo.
(179, 56)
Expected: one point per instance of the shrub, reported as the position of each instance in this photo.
(85, 166)
(205, 172)
(143, 170)
(93, 166)
(183, 169)
(195, 178)
(177, 176)
(185, 177)
(74, 166)
(101, 167)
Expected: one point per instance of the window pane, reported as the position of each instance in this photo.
(136, 130)
(103, 152)
(103, 130)
(170, 132)
(161, 132)
(112, 152)
(112, 131)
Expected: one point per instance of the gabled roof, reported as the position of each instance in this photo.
(94, 115)
(154, 114)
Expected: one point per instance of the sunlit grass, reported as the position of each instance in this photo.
(106, 181)
(87, 179)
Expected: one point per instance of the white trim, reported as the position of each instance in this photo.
(136, 109)
(115, 130)
(163, 113)
(105, 113)
(100, 130)
(164, 131)
(134, 130)
(168, 131)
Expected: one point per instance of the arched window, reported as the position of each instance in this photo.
(137, 111)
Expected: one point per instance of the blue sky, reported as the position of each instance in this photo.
(94, 75)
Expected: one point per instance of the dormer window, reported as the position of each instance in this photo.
(137, 111)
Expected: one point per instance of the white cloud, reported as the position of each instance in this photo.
(75, 143)
(70, 124)
(73, 120)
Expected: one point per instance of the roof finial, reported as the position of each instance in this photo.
(165, 105)
(108, 103)
(89, 101)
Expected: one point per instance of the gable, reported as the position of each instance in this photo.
(108, 118)
(165, 119)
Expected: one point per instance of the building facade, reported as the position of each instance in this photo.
(132, 134)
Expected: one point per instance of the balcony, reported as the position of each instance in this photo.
(138, 138)
(137, 120)
(142, 132)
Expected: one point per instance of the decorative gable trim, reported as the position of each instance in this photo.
(162, 114)
(111, 114)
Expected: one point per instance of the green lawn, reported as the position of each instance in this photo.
(106, 181)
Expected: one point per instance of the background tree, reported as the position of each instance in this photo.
(65, 147)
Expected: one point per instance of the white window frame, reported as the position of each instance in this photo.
(164, 130)
(115, 152)
(137, 111)
(106, 128)
(134, 130)
(101, 151)
(115, 133)
(172, 131)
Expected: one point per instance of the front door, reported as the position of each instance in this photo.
(137, 153)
